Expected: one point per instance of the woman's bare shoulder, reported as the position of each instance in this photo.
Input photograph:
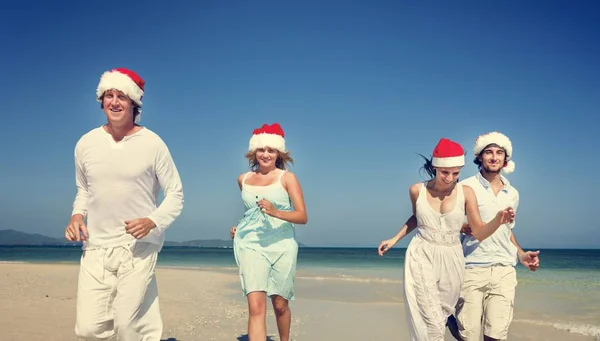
(240, 178)
(415, 188)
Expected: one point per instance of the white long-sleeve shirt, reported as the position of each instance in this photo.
(120, 181)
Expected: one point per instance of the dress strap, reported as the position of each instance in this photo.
(280, 176)
(244, 179)
(422, 191)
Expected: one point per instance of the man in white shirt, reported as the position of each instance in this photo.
(120, 168)
(488, 293)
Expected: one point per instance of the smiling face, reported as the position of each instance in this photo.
(492, 159)
(117, 106)
(266, 157)
(446, 176)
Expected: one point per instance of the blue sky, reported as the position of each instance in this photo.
(360, 87)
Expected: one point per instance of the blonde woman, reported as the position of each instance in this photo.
(265, 246)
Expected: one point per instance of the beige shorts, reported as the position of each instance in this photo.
(486, 302)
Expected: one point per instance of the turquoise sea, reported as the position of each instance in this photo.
(564, 293)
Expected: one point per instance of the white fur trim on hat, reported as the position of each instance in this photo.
(496, 138)
(509, 168)
(454, 161)
(267, 140)
(501, 141)
(122, 82)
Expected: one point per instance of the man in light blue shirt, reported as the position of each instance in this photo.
(488, 293)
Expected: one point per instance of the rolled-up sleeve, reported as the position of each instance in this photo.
(168, 177)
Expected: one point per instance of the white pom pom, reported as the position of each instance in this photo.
(509, 168)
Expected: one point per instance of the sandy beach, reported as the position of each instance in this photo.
(37, 302)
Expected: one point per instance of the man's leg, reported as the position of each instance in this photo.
(469, 310)
(500, 302)
(137, 311)
(95, 293)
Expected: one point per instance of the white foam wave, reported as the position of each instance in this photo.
(198, 267)
(583, 329)
(350, 279)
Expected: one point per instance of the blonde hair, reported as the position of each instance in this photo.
(283, 160)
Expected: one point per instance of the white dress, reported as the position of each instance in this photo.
(434, 268)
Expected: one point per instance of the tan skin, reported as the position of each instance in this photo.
(118, 108)
(268, 174)
(441, 196)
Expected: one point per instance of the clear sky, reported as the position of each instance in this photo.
(360, 87)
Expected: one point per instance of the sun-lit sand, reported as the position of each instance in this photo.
(37, 302)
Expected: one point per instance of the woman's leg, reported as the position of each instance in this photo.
(281, 284)
(257, 308)
(254, 271)
(283, 314)
(425, 317)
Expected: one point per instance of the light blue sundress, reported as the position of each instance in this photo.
(265, 247)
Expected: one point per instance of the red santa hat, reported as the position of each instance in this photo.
(125, 80)
(501, 141)
(448, 153)
(268, 136)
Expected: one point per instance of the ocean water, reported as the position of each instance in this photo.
(564, 293)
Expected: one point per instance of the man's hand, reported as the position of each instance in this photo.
(232, 231)
(76, 230)
(530, 260)
(139, 228)
(506, 216)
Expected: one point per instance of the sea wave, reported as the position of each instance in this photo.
(38, 262)
(198, 267)
(305, 276)
(350, 279)
(577, 283)
(583, 329)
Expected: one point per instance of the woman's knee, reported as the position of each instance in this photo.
(257, 304)
(280, 305)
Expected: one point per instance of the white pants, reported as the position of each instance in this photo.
(433, 276)
(117, 294)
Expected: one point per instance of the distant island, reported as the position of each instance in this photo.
(14, 238)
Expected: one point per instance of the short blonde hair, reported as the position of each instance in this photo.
(283, 160)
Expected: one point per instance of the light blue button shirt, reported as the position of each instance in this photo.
(497, 248)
